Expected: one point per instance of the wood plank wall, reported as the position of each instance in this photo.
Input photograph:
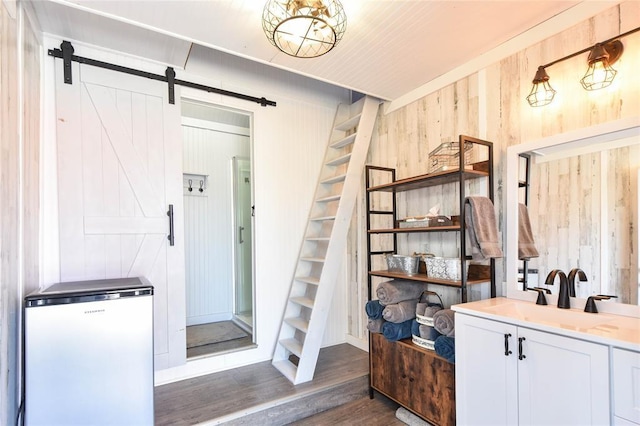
(9, 196)
(31, 56)
(19, 188)
(404, 137)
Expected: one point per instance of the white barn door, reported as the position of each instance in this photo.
(119, 168)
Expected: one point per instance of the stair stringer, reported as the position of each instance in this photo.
(304, 322)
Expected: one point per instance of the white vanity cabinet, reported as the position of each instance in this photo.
(508, 375)
(626, 387)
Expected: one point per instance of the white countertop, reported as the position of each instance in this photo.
(615, 330)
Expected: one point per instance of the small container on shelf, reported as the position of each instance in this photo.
(424, 221)
(447, 156)
(444, 268)
(426, 320)
(402, 264)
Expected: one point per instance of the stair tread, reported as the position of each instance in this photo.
(348, 123)
(334, 179)
(287, 369)
(299, 323)
(310, 280)
(315, 219)
(304, 301)
(341, 143)
(340, 160)
(328, 198)
(317, 238)
(293, 346)
(313, 259)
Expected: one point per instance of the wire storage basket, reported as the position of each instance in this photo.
(447, 156)
(426, 320)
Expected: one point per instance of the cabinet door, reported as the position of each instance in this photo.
(626, 386)
(432, 385)
(486, 378)
(414, 377)
(562, 381)
(388, 375)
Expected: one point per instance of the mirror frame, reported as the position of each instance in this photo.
(598, 134)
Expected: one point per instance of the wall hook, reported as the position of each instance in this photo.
(190, 187)
(201, 186)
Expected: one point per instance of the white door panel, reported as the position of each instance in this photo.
(119, 167)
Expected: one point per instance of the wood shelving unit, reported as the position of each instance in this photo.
(423, 395)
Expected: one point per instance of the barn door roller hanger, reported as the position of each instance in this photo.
(66, 53)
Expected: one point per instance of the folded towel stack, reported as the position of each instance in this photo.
(374, 309)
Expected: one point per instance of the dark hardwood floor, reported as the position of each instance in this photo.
(378, 411)
(259, 395)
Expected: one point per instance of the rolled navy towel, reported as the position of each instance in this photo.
(443, 322)
(395, 291)
(401, 311)
(375, 325)
(446, 348)
(374, 309)
(396, 331)
(415, 328)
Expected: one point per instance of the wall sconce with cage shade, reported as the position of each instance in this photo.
(304, 28)
(599, 75)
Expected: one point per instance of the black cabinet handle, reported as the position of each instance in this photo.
(507, 352)
(521, 356)
(171, 237)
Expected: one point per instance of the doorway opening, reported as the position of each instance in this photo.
(217, 189)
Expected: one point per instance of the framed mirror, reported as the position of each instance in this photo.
(581, 196)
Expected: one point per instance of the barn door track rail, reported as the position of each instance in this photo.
(66, 53)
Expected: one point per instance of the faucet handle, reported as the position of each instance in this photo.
(541, 291)
(590, 306)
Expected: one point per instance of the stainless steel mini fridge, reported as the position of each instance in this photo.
(88, 354)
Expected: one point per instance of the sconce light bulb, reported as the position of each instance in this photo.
(599, 75)
(541, 92)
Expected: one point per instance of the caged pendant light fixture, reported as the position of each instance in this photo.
(304, 28)
(599, 75)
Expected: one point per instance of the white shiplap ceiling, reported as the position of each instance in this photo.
(391, 47)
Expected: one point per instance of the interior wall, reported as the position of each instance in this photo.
(289, 142)
(19, 188)
(209, 220)
(491, 104)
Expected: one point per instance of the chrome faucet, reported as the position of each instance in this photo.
(563, 295)
(572, 280)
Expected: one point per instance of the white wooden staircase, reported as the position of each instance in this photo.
(324, 241)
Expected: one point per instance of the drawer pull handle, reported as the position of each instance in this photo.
(507, 352)
(521, 356)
